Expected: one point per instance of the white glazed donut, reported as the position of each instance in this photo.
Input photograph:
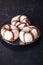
(9, 32)
(29, 34)
(20, 21)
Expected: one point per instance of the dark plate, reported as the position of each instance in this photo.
(18, 42)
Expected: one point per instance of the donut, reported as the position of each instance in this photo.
(20, 21)
(9, 32)
(29, 34)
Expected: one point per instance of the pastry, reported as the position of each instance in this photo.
(9, 32)
(20, 21)
(29, 34)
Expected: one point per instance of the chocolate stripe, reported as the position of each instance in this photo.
(15, 22)
(38, 31)
(12, 39)
(25, 19)
(18, 25)
(19, 17)
(30, 33)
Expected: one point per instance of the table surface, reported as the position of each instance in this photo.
(17, 55)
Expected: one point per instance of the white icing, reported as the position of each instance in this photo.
(22, 17)
(27, 24)
(17, 23)
(16, 34)
(2, 31)
(8, 35)
(21, 26)
(24, 21)
(14, 27)
(26, 29)
(28, 37)
(21, 36)
(34, 31)
(13, 23)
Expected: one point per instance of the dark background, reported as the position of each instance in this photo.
(18, 55)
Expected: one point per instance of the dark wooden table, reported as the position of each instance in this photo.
(26, 55)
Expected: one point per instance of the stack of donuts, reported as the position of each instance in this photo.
(21, 28)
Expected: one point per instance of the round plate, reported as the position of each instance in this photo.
(17, 42)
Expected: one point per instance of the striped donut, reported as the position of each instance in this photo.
(9, 32)
(29, 34)
(20, 21)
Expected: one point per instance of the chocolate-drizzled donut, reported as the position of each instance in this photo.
(20, 21)
(9, 32)
(29, 34)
